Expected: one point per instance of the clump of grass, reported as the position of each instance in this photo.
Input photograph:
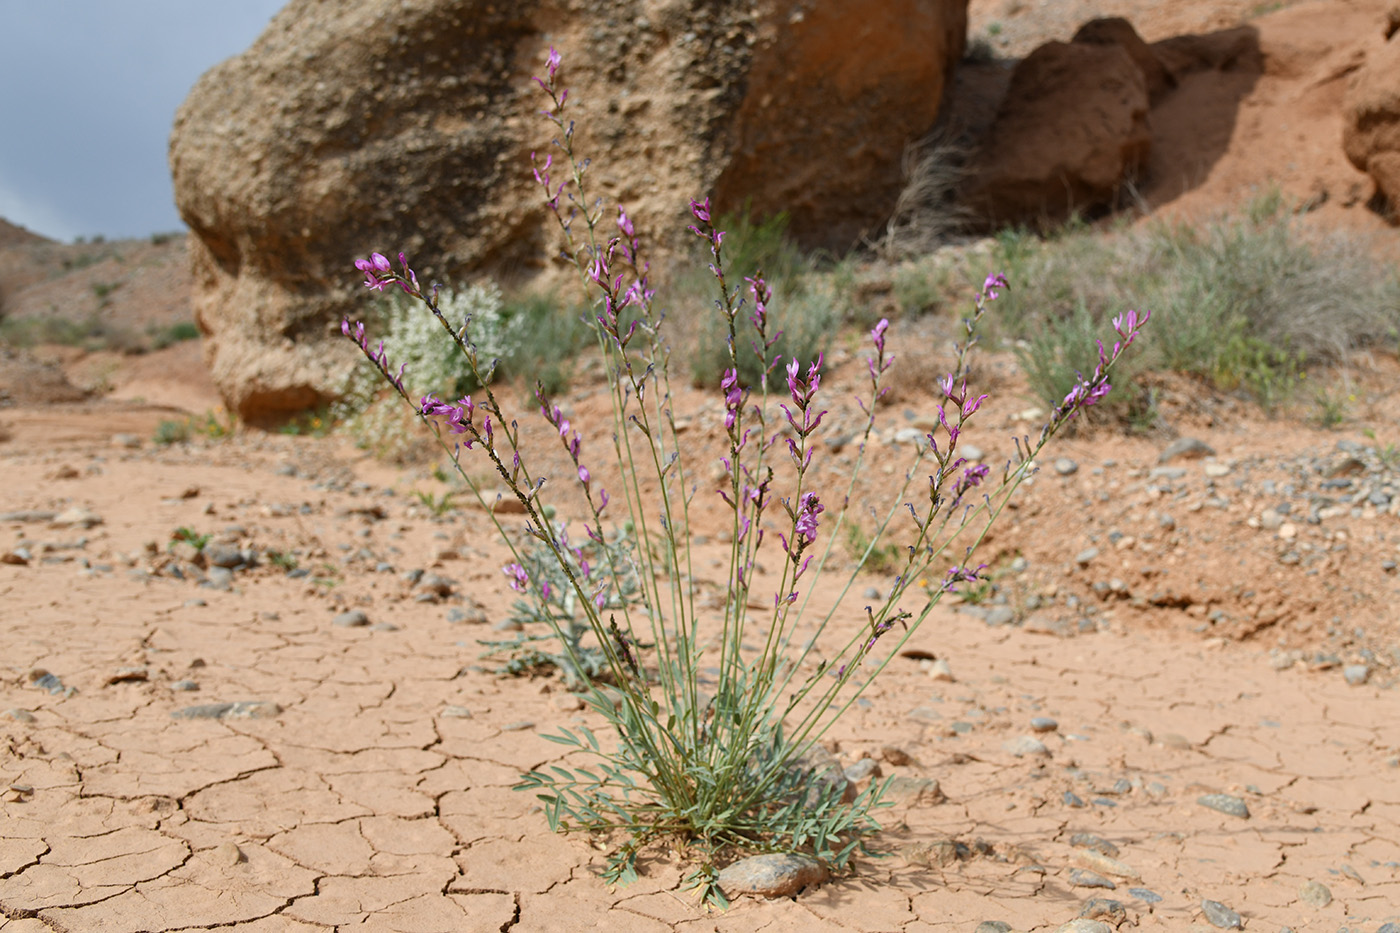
(169, 432)
(1248, 301)
(805, 311)
(926, 214)
(212, 424)
(92, 334)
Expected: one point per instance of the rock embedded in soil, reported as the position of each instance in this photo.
(1221, 916)
(242, 709)
(1065, 466)
(1185, 448)
(993, 926)
(1025, 746)
(1098, 844)
(1228, 804)
(1315, 894)
(1356, 674)
(1044, 724)
(1146, 895)
(1084, 926)
(1083, 878)
(939, 853)
(772, 875)
(914, 791)
(1105, 865)
(354, 618)
(1105, 909)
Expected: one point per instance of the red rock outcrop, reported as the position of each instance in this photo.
(1371, 132)
(388, 125)
(1072, 128)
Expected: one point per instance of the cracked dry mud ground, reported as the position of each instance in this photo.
(371, 802)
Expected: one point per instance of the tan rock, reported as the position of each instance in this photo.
(348, 128)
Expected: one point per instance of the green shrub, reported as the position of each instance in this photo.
(529, 337)
(172, 432)
(1247, 301)
(162, 337)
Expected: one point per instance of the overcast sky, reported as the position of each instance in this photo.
(88, 92)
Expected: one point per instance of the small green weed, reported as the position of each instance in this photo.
(1388, 455)
(103, 291)
(1331, 404)
(882, 559)
(170, 432)
(187, 534)
(282, 560)
(438, 505)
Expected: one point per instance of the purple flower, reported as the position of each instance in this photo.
(808, 508)
(994, 282)
(552, 63)
(519, 579)
(583, 475)
(381, 262)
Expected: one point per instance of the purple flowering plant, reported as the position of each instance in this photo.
(713, 713)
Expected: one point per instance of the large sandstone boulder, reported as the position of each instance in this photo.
(1072, 128)
(1371, 131)
(408, 124)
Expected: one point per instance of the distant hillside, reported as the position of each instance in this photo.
(15, 235)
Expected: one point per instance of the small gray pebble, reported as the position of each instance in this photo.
(773, 875)
(1389, 928)
(1086, 556)
(222, 555)
(1221, 916)
(1072, 799)
(1097, 843)
(1025, 746)
(993, 926)
(508, 625)
(1065, 466)
(872, 593)
(519, 726)
(354, 618)
(972, 453)
(1187, 447)
(1082, 878)
(184, 685)
(383, 627)
(243, 709)
(1225, 803)
(456, 712)
(1103, 908)
(20, 715)
(195, 603)
(1044, 724)
(1315, 894)
(1356, 674)
(220, 578)
(1146, 895)
(1001, 615)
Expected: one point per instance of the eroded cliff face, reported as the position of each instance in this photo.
(387, 125)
